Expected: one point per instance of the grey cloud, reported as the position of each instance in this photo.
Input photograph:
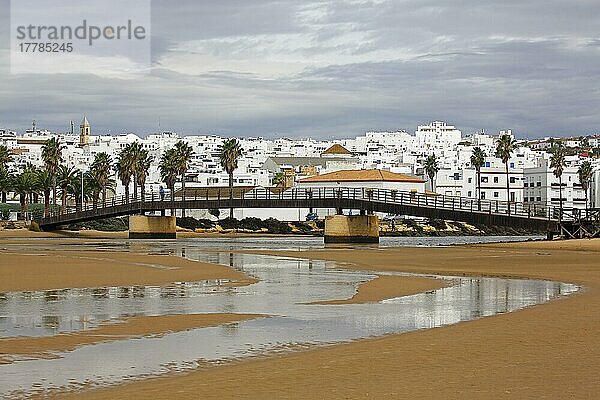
(530, 66)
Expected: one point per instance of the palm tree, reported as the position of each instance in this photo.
(134, 150)
(90, 189)
(5, 157)
(101, 171)
(141, 167)
(478, 161)
(505, 146)
(231, 151)
(24, 184)
(52, 157)
(66, 179)
(168, 172)
(44, 182)
(125, 167)
(93, 187)
(557, 163)
(585, 173)
(184, 154)
(431, 168)
(5, 184)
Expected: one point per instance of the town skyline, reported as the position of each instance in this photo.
(66, 129)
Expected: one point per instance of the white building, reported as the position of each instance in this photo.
(438, 135)
(542, 187)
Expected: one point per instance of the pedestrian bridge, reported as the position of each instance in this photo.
(473, 211)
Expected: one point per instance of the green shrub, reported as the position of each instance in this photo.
(439, 224)
(229, 223)
(193, 223)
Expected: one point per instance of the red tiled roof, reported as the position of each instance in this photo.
(362, 175)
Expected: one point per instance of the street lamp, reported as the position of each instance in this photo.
(82, 189)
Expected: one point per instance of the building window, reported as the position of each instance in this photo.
(484, 179)
(512, 164)
(539, 184)
(469, 193)
(495, 194)
(487, 164)
(482, 195)
(525, 184)
(539, 198)
(495, 179)
(512, 179)
(470, 179)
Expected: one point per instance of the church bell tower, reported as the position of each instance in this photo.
(84, 132)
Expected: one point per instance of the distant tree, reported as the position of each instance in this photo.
(141, 168)
(5, 177)
(125, 167)
(215, 212)
(505, 146)
(557, 163)
(45, 183)
(431, 169)
(585, 173)
(25, 184)
(133, 152)
(90, 189)
(101, 170)
(184, 153)
(5, 157)
(52, 158)
(5, 184)
(169, 170)
(231, 151)
(478, 161)
(66, 179)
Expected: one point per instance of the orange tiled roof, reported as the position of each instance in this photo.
(337, 149)
(362, 175)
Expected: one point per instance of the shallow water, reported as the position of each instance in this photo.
(285, 285)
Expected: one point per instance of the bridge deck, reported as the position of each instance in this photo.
(487, 212)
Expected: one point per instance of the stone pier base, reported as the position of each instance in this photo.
(151, 227)
(352, 229)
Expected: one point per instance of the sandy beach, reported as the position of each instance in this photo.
(47, 269)
(548, 351)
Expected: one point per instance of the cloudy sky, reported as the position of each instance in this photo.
(328, 69)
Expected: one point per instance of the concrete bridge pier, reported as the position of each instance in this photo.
(152, 227)
(352, 229)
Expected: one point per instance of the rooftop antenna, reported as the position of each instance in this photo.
(33, 125)
(72, 128)
(159, 124)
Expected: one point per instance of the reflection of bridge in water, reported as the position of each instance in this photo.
(472, 211)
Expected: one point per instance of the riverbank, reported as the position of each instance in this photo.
(548, 351)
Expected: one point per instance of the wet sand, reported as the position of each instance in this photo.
(549, 351)
(388, 287)
(129, 328)
(46, 269)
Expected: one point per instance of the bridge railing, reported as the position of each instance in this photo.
(307, 194)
